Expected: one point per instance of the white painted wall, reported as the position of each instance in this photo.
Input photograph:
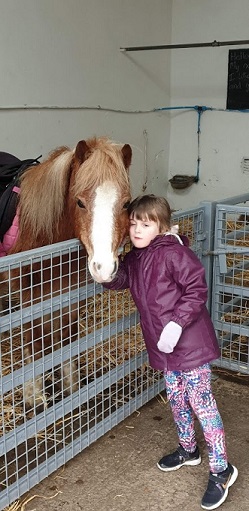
(66, 53)
(199, 77)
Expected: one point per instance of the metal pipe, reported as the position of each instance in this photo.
(214, 44)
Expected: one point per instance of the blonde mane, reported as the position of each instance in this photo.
(43, 190)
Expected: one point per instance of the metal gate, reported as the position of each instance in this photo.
(230, 291)
(220, 237)
(80, 388)
(58, 401)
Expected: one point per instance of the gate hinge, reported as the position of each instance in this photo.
(221, 257)
(201, 236)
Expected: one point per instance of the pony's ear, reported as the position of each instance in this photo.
(127, 154)
(82, 151)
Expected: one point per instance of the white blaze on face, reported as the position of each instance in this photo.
(102, 263)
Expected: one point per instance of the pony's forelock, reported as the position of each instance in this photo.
(104, 154)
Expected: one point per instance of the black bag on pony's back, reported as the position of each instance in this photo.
(11, 169)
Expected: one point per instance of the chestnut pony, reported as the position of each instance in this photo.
(80, 193)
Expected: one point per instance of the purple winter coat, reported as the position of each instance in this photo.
(167, 282)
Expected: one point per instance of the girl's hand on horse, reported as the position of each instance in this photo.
(169, 337)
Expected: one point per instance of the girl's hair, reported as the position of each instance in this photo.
(152, 208)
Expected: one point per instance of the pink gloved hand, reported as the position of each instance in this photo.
(169, 337)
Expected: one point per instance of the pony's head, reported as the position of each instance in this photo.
(84, 193)
(100, 192)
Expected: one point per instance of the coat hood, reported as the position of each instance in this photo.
(162, 240)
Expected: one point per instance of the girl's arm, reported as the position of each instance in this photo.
(189, 274)
(121, 280)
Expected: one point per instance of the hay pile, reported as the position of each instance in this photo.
(186, 227)
(238, 260)
(96, 312)
(99, 311)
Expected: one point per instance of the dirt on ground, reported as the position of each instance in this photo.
(118, 472)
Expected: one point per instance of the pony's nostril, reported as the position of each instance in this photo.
(97, 266)
(103, 271)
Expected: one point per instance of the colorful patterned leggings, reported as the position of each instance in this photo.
(188, 392)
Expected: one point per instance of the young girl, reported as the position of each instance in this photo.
(167, 283)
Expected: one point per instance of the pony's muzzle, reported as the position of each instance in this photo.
(103, 272)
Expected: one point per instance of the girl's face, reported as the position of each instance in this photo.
(142, 232)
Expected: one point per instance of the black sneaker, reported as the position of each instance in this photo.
(179, 458)
(217, 489)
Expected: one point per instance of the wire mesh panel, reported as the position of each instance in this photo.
(197, 224)
(231, 286)
(73, 363)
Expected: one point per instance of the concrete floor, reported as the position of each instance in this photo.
(119, 473)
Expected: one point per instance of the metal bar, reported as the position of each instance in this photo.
(231, 289)
(228, 250)
(213, 44)
(232, 365)
(35, 256)
(234, 328)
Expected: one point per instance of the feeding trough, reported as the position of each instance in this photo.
(179, 182)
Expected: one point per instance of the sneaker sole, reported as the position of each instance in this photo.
(232, 480)
(191, 463)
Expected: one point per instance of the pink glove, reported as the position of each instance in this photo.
(169, 337)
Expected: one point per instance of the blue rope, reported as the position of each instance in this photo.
(199, 110)
(193, 107)
(199, 113)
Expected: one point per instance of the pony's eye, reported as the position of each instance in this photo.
(126, 205)
(80, 204)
